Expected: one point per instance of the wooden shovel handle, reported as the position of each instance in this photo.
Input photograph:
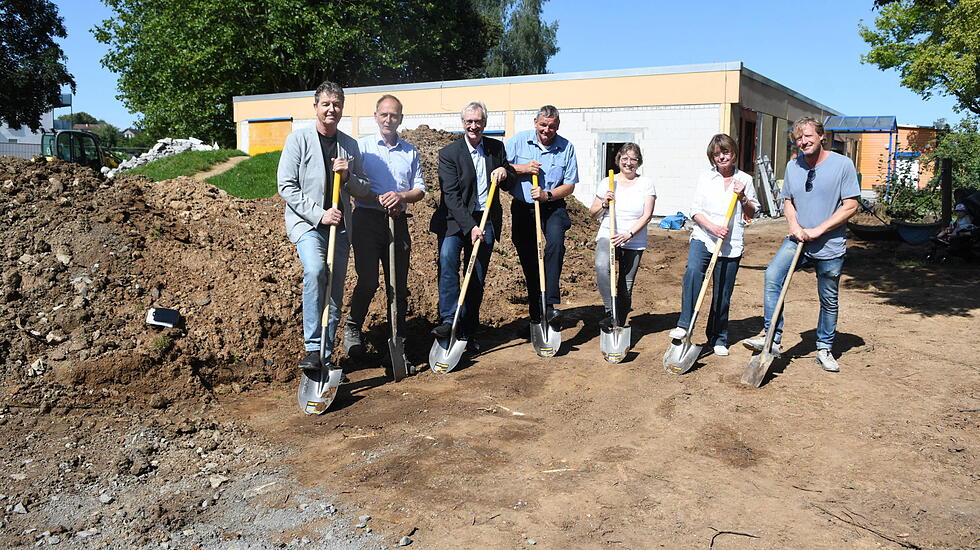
(539, 233)
(476, 246)
(711, 264)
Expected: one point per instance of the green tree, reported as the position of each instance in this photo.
(80, 117)
(180, 62)
(526, 43)
(933, 44)
(961, 144)
(109, 135)
(32, 65)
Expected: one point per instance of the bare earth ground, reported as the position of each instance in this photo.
(572, 452)
(119, 435)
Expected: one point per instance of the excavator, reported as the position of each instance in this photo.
(77, 146)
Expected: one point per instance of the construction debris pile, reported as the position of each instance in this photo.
(164, 148)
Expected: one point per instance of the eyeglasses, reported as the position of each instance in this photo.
(809, 179)
(629, 160)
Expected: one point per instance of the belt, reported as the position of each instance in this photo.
(367, 210)
(548, 205)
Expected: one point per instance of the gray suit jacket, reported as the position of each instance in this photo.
(302, 181)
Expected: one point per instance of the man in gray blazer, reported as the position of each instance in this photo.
(309, 160)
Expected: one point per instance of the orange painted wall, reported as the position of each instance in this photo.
(873, 154)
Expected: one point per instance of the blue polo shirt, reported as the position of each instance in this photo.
(558, 162)
(395, 168)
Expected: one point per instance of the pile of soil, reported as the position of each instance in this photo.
(85, 258)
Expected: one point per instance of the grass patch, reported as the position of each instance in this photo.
(253, 178)
(187, 163)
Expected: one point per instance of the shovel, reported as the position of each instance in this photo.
(318, 388)
(396, 344)
(680, 357)
(757, 368)
(545, 339)
(445, 353)
(616, 341)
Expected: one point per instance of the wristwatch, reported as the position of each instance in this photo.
(550, 196)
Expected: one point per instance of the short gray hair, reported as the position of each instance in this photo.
(472, 106)
(329, 88)
(547, 111)
(391, 97)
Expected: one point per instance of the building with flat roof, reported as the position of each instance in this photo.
(671, 112)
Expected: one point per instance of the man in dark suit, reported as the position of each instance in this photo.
(465, 169)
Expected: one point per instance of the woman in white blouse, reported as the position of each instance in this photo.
(634, 196)
(711, 199)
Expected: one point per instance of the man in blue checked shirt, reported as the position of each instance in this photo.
(394, 170)
(543, 152)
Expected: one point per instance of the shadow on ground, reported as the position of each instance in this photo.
(899, 275)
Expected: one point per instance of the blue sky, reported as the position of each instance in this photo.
(816, 54)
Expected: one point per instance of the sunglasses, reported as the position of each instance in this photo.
(809, 179)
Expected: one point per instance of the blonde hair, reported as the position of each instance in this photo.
(801, 122)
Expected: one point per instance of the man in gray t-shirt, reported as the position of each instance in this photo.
(820, 194)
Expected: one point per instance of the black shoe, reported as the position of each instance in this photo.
(473, 346)
(353, 345)
(311, 361)
(606, 323)
(553, 315)
(443, 330)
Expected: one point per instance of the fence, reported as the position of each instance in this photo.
(21, 150)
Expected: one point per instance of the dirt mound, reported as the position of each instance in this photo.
(83, 260)
(85, 257)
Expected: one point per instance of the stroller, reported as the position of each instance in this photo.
(964, 243)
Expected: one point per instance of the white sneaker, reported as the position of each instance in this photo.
(756, 343)
(677, 333)
(721, 350)
(826, 360)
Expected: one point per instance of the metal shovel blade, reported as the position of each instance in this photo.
(755, 371)
(445, 355)
(399, 364)
(681, 357)
(545, 339)
(614, 343)
(317, 389)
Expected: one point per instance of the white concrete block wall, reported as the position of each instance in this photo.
(673, 140)
(300, 123)
(24, 134)
(242, 141)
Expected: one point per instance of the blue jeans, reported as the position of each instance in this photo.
(723, 282)
(450, 248)
(828, 283)
(312, 250)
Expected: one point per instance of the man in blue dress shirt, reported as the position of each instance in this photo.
(394, 170)
(543, 152)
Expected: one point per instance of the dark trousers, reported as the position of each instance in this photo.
(554, 223)
(370, 241)
(450, 247)
(723, 280)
